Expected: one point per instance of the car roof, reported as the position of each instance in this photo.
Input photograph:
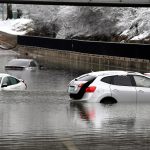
(4, 74)
(113, 72)
(19, 62)
(21, 59)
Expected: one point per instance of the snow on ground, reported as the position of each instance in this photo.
(133, 23)
(15, 26)
(138, 24)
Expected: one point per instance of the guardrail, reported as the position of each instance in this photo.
(140, 51)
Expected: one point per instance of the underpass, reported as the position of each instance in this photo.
(42, 117)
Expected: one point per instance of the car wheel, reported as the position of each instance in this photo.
(108, 100)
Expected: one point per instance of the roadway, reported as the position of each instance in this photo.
(43, 118)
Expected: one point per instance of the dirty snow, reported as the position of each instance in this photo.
(15, 26)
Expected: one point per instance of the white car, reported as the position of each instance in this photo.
(110, 87)
(9, 83)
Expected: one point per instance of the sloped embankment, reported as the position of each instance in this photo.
(7, 41)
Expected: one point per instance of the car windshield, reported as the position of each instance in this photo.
(19, 62)
(86, 78)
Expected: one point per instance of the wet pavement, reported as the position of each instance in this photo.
(43, 118)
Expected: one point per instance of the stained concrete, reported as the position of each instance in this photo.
(84, 61)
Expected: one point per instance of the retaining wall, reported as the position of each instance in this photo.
(130, 50)
(83, 61)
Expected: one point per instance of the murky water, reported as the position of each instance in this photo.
(42, 118)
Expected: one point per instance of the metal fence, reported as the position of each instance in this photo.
(140, 51)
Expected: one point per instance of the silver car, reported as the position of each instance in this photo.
(110, 87)
(22, 64)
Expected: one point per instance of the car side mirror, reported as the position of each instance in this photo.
(4, 85)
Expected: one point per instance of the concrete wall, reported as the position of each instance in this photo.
(82, 61)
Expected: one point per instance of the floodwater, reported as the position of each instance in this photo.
(43, 118)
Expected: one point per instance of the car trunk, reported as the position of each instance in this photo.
(81, 92)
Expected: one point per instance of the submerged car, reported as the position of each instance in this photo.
(9, 83)
(22, 64)
(110, 87)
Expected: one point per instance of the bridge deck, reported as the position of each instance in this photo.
(109, 3)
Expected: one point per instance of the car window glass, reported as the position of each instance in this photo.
(106, 79)
(6, 81)
(32, 64)
(13, 80)
(122, 81)
(142, 81)
(86, 78)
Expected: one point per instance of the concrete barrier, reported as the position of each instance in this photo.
(82, 61)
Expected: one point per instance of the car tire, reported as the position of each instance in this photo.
(108, 100)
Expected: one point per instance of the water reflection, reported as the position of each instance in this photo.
(118, 126)
(99, 116)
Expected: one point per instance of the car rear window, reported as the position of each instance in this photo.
(86, 78)
(106, 79)
(32, 64)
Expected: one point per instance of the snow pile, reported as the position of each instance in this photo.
(76, 22)
(15, 26)
(138, 27)
(131, 23)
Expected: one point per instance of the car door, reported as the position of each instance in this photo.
(122, 89)
(142, 88)
(10, 83)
